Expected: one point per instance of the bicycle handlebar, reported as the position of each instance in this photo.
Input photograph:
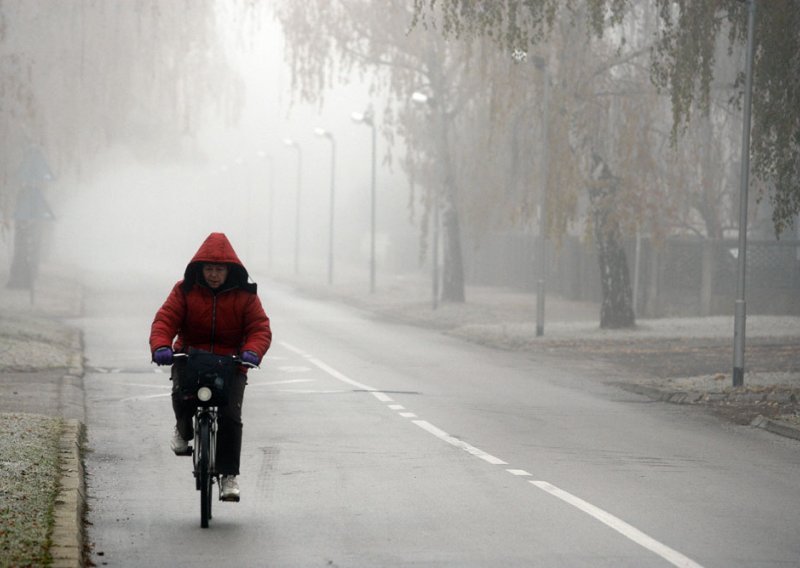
(235, 359)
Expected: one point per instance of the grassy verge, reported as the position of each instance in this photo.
(29, 479)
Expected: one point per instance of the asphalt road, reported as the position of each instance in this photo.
(373, 444)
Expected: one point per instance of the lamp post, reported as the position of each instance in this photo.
(422, 98)
(270, 200)
(242, 188)
(296, 146)
(326, 134)
(368, 119)
(541, 65)
(740, 306)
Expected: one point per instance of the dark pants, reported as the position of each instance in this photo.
(229, 423)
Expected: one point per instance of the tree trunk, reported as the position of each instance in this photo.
(616, 309)
(707, 277)
(25, 261)
(453, 273)
(653, 306)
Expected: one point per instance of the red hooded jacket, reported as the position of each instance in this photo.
(226, 321)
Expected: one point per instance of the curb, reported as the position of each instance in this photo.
(780, 428)
(662, 395)
(68, 541)
(692, 397)
(67, 548)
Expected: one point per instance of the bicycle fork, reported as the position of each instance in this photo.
(205, 419)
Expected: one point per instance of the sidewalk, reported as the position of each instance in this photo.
(43, 414)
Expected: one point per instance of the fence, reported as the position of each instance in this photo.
(678, 277)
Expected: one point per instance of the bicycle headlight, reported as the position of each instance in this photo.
(204, 394)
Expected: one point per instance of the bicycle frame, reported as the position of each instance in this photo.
(207, 391)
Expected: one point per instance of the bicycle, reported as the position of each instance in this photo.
(203, 381)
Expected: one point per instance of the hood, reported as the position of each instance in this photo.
(217, 249)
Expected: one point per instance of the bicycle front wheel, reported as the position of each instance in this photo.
(204, 472)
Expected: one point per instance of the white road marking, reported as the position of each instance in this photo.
(634, 534)
(520, 472)
(312, 391)
(442, 435)
(330, 370)
(144, 397)
(672, 556)
(294, 369)
(408, 415)
(397, 407)
(295, 349)
(258, 383)
(249, 386)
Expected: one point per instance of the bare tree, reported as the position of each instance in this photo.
(79, 76)
(684, 63)
(327, 38)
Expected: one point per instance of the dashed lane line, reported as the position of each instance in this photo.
(519, 472)
(470, 449)
(632, 533)
(672, 556)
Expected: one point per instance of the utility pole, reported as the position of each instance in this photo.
(327, 134)
(296, 146)
(541, 64)
(744, 180)
(368, 118)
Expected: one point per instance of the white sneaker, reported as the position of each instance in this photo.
(229, 488)
(178, 444)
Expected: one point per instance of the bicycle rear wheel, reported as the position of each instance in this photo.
(204, 472)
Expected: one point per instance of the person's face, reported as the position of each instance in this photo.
(215, 274)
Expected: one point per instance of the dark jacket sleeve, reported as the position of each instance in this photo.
(258, 334)
(168, 319)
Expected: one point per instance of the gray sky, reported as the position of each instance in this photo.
(136, 216)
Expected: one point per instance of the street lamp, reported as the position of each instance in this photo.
(368, 119)
(740, 306)
(422, 98)
(539, 62)
(242, 187)
(324, 133)
(296, 146)
(270, 216)
(541, 65)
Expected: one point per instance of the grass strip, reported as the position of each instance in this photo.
(29, 484)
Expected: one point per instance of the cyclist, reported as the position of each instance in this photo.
(213, 308)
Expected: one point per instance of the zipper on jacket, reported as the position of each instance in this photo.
(213, 321)
(214, 315)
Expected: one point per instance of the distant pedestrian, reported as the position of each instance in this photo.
(215, 309)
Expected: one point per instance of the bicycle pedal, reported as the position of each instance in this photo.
(188, 452)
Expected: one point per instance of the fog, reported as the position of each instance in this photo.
(129, 218)
(141, 178)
